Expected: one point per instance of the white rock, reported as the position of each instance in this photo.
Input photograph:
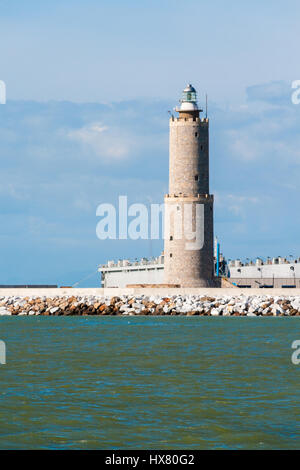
(138, 309)
(3, 311)
(215, 312)
(54, 309)
(136, 305)
(251, 309)
(124, 307)
(276, 309)
(296, 304)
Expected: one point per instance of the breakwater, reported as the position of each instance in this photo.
(139, 304)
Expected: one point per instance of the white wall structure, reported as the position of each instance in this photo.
(122, 274)
(277, 274)
(288, 270)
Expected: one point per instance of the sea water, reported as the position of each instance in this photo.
(149, 383)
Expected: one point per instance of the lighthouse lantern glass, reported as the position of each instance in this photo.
(189, 96)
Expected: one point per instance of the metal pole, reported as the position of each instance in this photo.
(218, 259)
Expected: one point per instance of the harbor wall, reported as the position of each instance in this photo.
(52, 292)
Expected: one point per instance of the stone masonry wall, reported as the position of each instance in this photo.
(189, 157)
(189, 268)
(189, 184)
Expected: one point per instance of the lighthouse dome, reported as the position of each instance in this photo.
(189, 88)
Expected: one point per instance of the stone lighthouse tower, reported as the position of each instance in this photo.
(189, 206)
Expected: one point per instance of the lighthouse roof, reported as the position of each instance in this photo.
(189, 88)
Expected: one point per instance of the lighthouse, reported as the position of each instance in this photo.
(189, 205)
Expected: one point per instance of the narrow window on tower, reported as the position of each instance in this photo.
(196, 177)
(171, 238)
(196, 134)
(171, 256)
(201, 147)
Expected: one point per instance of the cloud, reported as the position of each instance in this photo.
(105, 142)
(60, 160)
(262, 145)
(275, 93)
(264, 130)
(236, 204)
(38, 226)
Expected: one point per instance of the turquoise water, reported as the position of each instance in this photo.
(149, 382)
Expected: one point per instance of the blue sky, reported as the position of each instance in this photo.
(89, 84)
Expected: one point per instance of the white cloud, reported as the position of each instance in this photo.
(237, 204)
(39, 226)
(14, 190)
(268, 135)
(242, 146)
(57, 170)
(272, 92)
(107, 143)
(250, 144)
(83, 203)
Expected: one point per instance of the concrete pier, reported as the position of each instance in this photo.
(144, 291)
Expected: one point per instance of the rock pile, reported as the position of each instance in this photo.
(230, 305)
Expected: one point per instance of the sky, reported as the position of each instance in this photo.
(89, 85)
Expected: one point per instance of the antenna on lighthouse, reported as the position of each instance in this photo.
(206, 105)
